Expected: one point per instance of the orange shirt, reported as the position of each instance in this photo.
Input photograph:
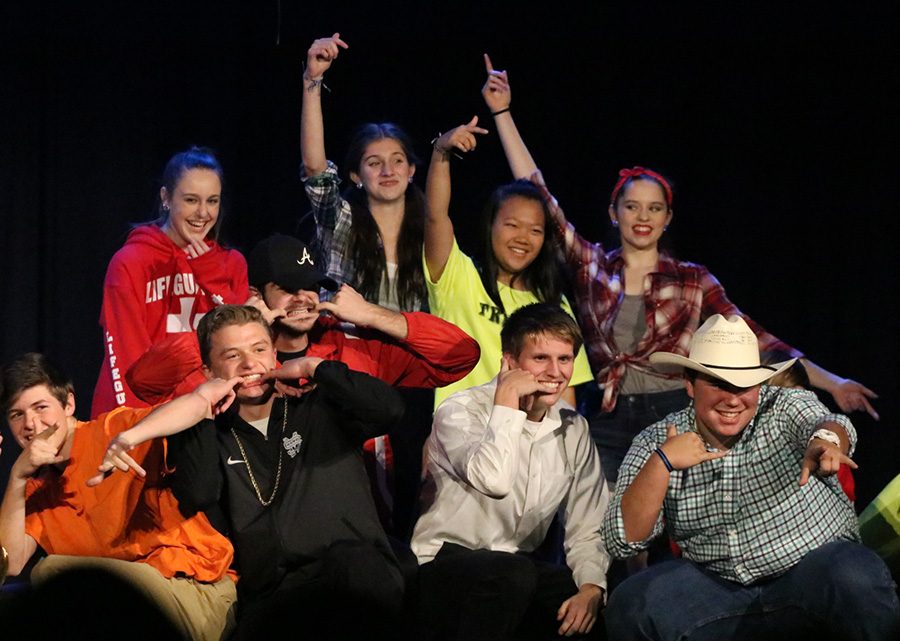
(125, 517)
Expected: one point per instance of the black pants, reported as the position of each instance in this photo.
(475, 595)
(407, 439)
(357, 593)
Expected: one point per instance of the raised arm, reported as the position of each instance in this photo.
(497, 96)
(849, 395)
(312, 128)
(438, 227)
(43, 450)
(213, 397)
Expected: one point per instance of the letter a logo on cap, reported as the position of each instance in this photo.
(305, 258)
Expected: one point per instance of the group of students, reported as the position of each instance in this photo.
(265, 420)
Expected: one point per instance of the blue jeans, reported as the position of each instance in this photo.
(841, 591)
(613, 431)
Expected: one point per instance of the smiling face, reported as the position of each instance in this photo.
(551, 360)
(35, 410)
(384, 171)
(641, 213)
(723, 410)
(193, 206)
(300, 307)
(243, 350)
(517, 236)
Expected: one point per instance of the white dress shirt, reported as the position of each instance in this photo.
(494, 481)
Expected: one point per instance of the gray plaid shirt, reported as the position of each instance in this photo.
(745, 516)
(333, 223)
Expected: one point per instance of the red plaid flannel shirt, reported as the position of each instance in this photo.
(679, 296)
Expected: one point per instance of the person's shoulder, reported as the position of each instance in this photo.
(682, 419)
(475, 397)
(668, 263)
(773, 398)
(142, 242)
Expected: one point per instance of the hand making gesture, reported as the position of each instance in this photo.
(321, 54)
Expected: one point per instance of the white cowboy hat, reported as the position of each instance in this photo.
(724, 348)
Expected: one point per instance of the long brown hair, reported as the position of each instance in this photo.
(366, 247)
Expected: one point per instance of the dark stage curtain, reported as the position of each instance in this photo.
(775, 123)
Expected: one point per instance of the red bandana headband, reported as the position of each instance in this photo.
(636, 172)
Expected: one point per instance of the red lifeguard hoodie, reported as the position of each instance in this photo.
(153, 290)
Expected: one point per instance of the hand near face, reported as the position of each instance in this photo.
(294, 378)
(687, 450)
(322, 53)
(219, 393)
(516, 387)
(822, 459)
(196, 247)
(348, 305)
(496, 91)
(42, 450)
(270, 315)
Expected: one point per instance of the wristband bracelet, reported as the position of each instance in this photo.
(446, 153)
(825, 435)
(499, 111)
(662, 455)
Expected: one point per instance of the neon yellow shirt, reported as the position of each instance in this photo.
(460, 298)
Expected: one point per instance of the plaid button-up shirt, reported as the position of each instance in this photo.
(678, 297)
(745, 516)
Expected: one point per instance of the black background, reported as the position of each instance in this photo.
(776, 124)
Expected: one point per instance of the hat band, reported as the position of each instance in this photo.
(769, 367)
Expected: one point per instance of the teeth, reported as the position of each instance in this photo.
(252, 377)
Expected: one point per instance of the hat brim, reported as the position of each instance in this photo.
(737, 376)
(292, 285)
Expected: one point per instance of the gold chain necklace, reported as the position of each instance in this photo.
(250, 469)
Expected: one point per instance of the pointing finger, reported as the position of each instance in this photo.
(849, 462)
(487, 63)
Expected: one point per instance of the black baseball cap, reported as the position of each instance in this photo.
(287, 262)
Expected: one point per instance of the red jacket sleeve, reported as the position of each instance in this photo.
(222, 273)
(435, 352)
(168, 369)
(122, 317)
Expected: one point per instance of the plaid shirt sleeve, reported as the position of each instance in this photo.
(576, 250)
(642, 448)
(804, 414)
(333, 223)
